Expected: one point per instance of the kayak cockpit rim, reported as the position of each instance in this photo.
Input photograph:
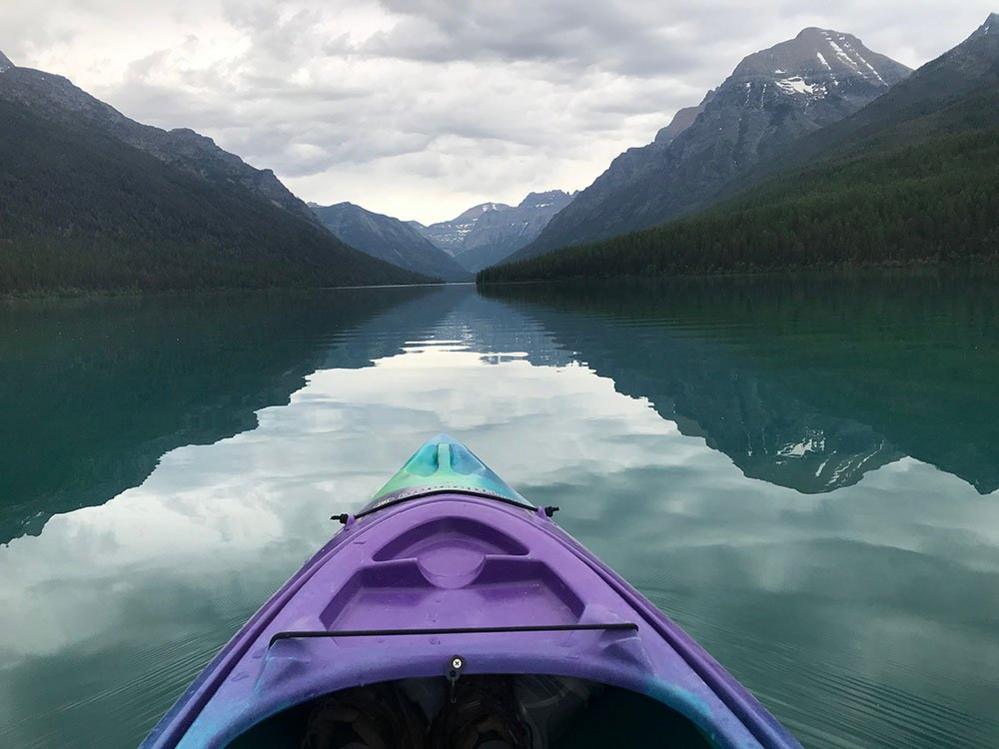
(547, 710)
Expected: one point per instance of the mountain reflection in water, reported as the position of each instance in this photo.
(807, 383)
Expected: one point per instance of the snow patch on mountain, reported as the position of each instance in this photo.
(813, 443)
(797, 85)
(844, 50)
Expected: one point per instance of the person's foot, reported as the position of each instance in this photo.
(484, 715)
(371, 717)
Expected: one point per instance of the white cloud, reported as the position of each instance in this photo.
(421, 108)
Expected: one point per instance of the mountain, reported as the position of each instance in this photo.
(389, 239)
(930, 101)
(55, 98)
(489, 233)
(451, 235)
(913, 177)
(95, 201)
(772, 98)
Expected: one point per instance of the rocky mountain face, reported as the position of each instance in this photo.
(771, 99)
(988, 29)
(683, 119)
(956, 92)
(450, 235)
(388, 239)
(489, 233)
(971, 67)
(54, 97)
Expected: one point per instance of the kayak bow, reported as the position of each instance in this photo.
(451, 605)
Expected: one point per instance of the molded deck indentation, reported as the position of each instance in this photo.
(450, 566)
(449, 532)
(402, 594)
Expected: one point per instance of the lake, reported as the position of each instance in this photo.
(802, 471)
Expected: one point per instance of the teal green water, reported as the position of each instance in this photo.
(804, 473)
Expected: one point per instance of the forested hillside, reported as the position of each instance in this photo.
(81, 210)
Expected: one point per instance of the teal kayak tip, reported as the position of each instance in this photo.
(444, 464)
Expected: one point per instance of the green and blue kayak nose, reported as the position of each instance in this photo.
(443, 464)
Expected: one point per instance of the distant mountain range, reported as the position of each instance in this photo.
(454, 250)
(911, 176)
(389, 239)
(490, 232)
(94, 200)
(815, 151)
(772, 98)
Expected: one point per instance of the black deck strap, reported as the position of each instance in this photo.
(307, 634)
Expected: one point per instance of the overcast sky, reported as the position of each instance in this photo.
(422, 108)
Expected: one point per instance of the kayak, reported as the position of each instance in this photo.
(451, 612)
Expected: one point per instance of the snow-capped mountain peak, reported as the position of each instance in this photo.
(5, 63)
(772, 98)
(813, 65)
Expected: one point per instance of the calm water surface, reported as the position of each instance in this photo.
(804, 473)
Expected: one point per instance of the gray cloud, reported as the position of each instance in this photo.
(419, 108)
(637, 36)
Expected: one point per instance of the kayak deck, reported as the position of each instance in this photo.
(437, 574)
(450, 574)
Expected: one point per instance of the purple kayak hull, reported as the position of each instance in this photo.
(457, 574)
